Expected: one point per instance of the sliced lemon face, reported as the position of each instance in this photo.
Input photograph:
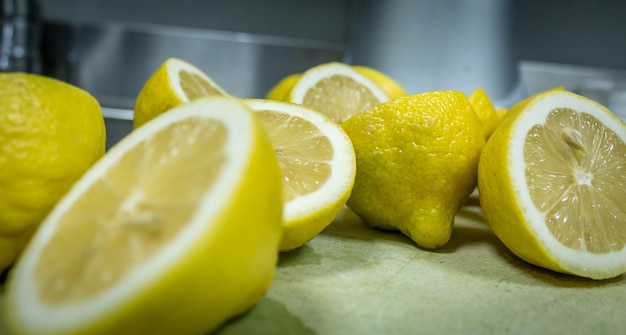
(181, 217)
(318, 166)
(559, 165)
(173, 83)
(337, 90)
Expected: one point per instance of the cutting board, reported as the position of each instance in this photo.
(352, 279)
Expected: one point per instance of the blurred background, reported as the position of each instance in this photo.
(512, 48)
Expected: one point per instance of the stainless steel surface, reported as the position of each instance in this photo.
(113, 61)
(435, 45)
(604, 85)
(118, 123)
(19, 38)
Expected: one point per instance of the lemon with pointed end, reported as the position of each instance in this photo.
(175, 230)
(51, 132)
(173, 83)
(416, 162)
(318, 165)
(552, 182)
(337, 90)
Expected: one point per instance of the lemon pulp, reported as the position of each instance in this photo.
(195, 86)
(304, 164)
(329, 95)
(576, 176)
(317, 162)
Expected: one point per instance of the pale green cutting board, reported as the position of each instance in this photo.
(352, 279)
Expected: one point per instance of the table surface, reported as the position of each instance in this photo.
(352, 279)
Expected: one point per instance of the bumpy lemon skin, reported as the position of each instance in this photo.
(408, 178)
(51, 132)
(217, 279)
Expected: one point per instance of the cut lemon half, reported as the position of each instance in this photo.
(552, 182)
(337, 90)
(175, 230)
(318, 165)
(173, 83)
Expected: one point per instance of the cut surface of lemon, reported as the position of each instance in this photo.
(173, 83)
(337, 90)
(552, 181)
(174, 231)
(318, 165)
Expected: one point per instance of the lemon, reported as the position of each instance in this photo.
(281, 90)
(173, 83)
(318, 165)
(501, 113)
(337, 90)
(489, 117)
(175, 230)
(391, 87)
(50, 133)
(416, 162)
(552, 183)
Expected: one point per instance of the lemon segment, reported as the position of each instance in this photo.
(175, 230)
(317, 163)
(552, 184)
(337, 90)
(50, 133)
(416, 163)
(173, 83)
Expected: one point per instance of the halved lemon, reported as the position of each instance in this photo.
(173, 83)
(552, 182)
(175, 230)
(337, 90)
(318, 165)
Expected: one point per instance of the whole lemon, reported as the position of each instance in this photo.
(50, 133)
(417, 159)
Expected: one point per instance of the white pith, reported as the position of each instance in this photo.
(342, 163)
(44, 318)
(570, 259)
